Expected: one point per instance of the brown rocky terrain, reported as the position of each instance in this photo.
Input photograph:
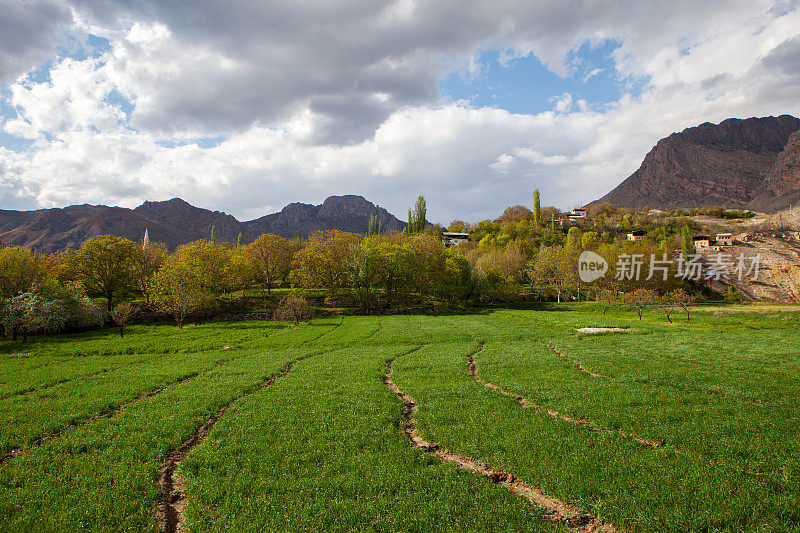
(781, 188)
(346, 213)
(176, 222)
(749, 163)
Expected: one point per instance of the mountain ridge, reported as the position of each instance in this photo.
(731, 164)
(177, 222)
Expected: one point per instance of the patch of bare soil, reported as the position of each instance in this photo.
(600, 330)
(171, 498)
(20, 451)
(554, 509)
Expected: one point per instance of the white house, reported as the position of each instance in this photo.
(579, 213)
(453, 239)
(637, 235)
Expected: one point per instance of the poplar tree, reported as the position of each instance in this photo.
(687, 242)
(416, 218)
(537, 208)
(213, 235)
(239, 240)
(375, 226)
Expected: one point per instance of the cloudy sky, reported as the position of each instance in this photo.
(245, 106)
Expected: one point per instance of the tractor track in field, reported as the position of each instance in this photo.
(380, 327)
(334, 328)
(553, 508)
(16, 452)
(52, 384)
(576, 363)
(171, 504)
(527, 404)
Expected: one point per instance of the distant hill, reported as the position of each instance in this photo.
(750, 163)
(176, 222)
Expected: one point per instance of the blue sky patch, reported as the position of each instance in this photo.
(525, 85)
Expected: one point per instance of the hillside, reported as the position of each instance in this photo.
(176, 222)
(751, 163)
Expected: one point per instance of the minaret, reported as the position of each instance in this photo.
(146, 239)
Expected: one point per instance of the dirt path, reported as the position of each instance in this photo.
(580, 367)
(380, 327)
(554, 509)
(52, 384)
(334, 328)
(20, 451)
(527, 404)
(171, 498)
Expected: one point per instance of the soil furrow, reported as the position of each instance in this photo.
(334, 328)
(553, 508)
(380, 327)
(68, 380)
(171, 498)
(527, 404)
(580, 366)
(20, 451)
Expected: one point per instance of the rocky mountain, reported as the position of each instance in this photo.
(751, 163)
(176, 222)
(346, 213)
(781, 187)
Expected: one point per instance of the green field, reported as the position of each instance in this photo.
(662, 427)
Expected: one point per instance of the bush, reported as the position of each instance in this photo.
(731, 295)
(51, 308)
(293, 308)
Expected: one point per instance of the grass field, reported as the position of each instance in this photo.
(662, 427)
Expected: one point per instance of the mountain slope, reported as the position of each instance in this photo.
(346, 213)
(781, 187)
(176, 222)
(709, 165)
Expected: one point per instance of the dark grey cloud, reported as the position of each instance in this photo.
(315, 53)
(29, 31)
(785, 57)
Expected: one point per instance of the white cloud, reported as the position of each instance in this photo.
(326, 98)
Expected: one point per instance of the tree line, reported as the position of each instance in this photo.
(523, 253)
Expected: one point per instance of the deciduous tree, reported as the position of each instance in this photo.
(325, 259)
(106, 265)
(18, 271)
(270, 257)
(178, 288)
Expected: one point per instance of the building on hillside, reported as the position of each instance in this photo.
(453, 239)
(637, 235)
(577, 214)
(724, 239)
(559, 219)
(701, 242)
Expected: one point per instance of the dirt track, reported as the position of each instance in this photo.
(20, 451)
(527, 404)
(171, 497)
(554, 509)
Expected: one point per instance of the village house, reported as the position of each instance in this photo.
(701, 242)
(453, 239)
(637, 235)
(724, 239)
(577, 214)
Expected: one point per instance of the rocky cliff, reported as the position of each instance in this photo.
(730, 164)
